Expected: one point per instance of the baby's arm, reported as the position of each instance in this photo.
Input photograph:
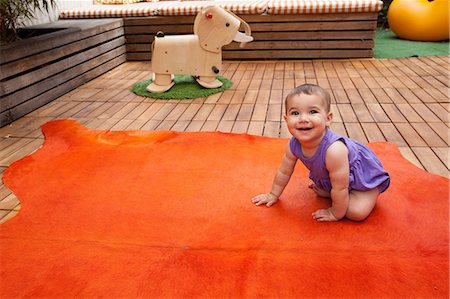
(280, 181)
(337, 163)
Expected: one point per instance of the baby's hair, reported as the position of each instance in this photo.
(310, 89)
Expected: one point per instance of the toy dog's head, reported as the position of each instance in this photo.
(217, 27)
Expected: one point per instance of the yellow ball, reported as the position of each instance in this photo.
(420, 20)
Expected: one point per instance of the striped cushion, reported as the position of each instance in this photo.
(110, 11)
(116, 1)
(186, 8)
(241, 7)
(322, 6)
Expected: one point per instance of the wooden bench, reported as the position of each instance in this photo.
(282, 29)
(38, 70)
(346, 35)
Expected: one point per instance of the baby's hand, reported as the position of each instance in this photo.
(324, 215)
(266, 198)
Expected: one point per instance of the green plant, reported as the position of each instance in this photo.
(14, 12)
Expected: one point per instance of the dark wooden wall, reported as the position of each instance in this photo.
(38, 70)
(343, 35)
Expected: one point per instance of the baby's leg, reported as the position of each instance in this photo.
(361, 203)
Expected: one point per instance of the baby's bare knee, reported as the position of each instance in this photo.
(361, 204)
(357, 215)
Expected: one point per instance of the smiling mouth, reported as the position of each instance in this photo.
(304, 129)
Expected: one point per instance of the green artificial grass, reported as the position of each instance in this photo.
(388, 45)
(185, 88)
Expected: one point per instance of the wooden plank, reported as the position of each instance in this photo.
(365, 16)
(203, 113)
(442, 130)
(300, 44)
(430, 161)
(392, 135)
(272, 129)
(272, 18)
(14, 147)
(49, 70)
(298, 54)
(71, 112)
(78, 29)
(347, 113)
(180, 125)
(64, 85)
(410, 135)
(362, 112)
(191, 111)
(177, 111)
(165, 125)
(25, 150)
(425, 113)
(442, 154)
(225, 126)
(24, 126)
(393, 113)
(372, 132)
(340, 95)
(280, 45)
(427, 134)
(245, 113)
(410, 156)
(168, 29)
(13, 68)
(240, 127)
(195, 126)
(157, 20)
(409, 113)
(356, 132)
(125, 111)
(377, 112)
(394, 95)
(147, 37)
(210, 125)
(231, 112)
(314, 25)
(121, 125)
(151, 125)
(408, 95)
(339, 128)
(66, 75)
(354, 96)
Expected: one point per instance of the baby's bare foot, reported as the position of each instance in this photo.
(319, 191)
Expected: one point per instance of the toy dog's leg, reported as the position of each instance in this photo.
(209, 82)
(161, 83)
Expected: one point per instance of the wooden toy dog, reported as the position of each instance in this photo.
(198, 54)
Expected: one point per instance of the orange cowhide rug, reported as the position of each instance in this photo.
(169, 215)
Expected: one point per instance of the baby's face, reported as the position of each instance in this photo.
(307, 117)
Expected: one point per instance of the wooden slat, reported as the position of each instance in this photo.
(298, 54)
(147, 37)
(430, 161)
(34, 61)
(62, 88)
(275, 36)
(67, 74)
(78, 29)
(9, 86)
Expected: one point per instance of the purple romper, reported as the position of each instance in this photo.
(366, 170)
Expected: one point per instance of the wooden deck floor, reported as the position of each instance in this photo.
(405, 101)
